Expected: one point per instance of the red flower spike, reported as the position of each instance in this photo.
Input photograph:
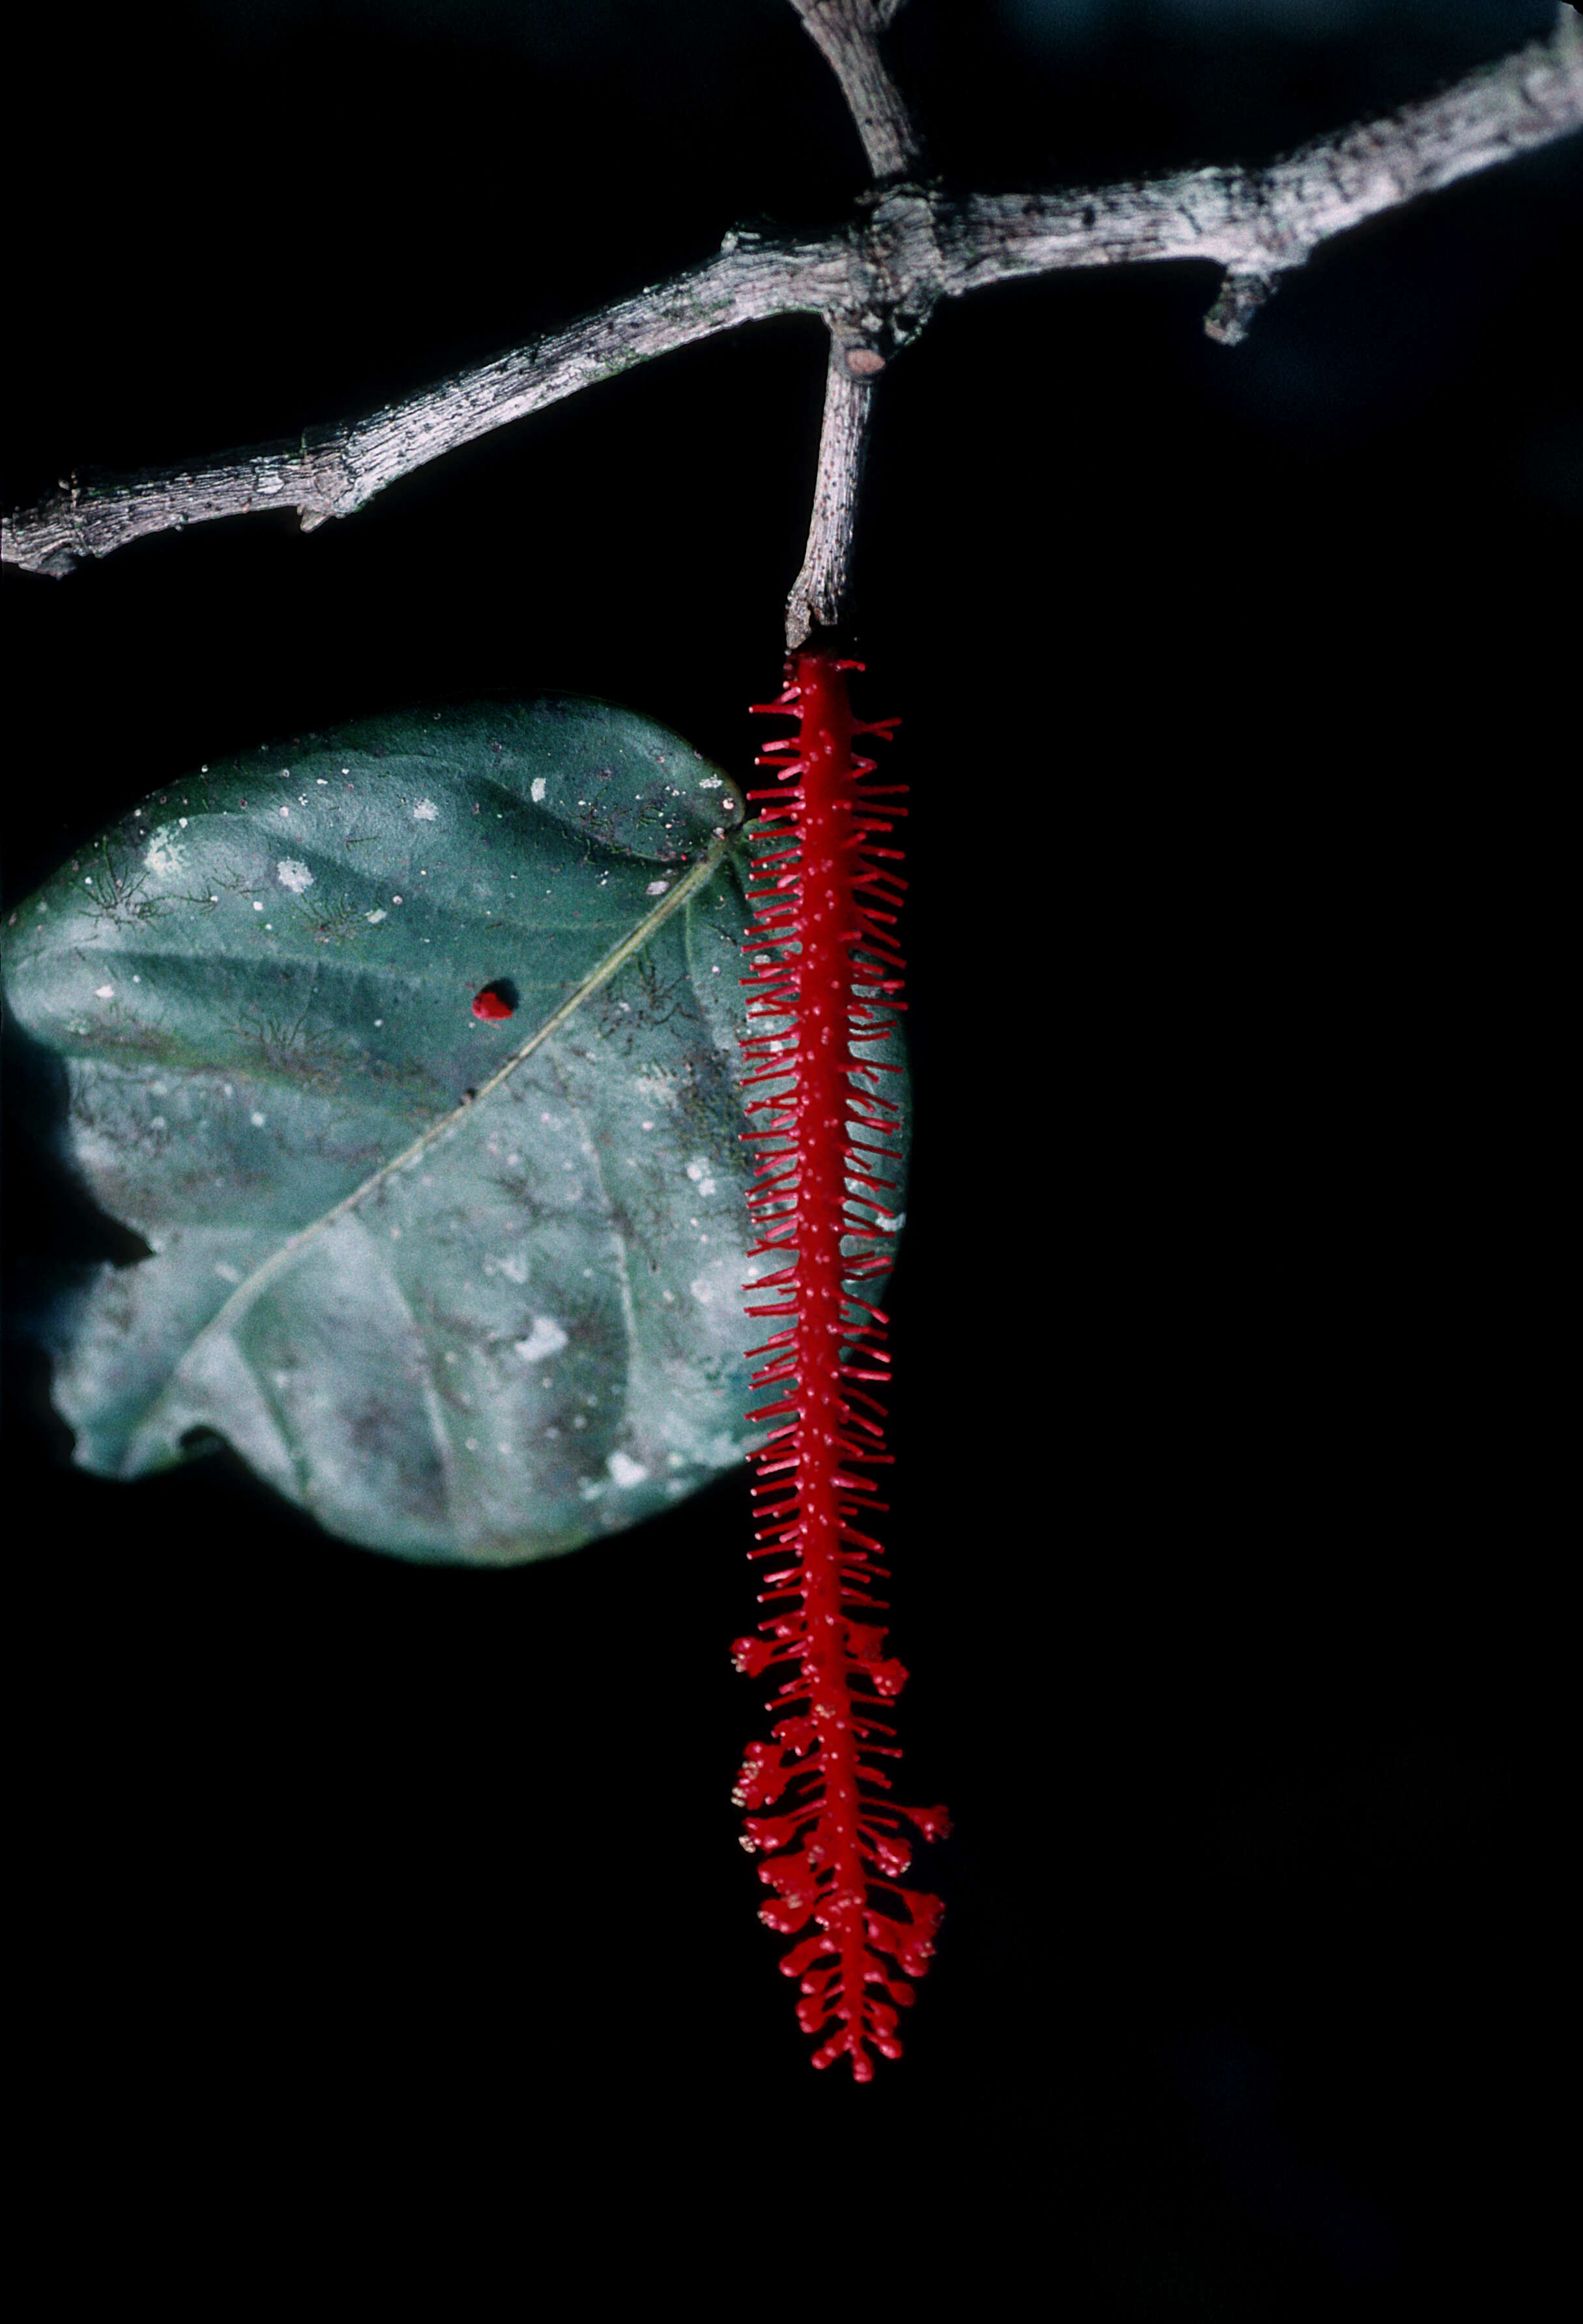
(822, 1001)
(785, 1920)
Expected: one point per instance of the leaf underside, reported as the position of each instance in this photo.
(456, 1307)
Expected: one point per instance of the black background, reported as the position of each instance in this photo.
(1221, 1559)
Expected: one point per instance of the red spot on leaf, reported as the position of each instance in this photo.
(493, 1003)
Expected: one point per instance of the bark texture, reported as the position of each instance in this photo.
(875, 282)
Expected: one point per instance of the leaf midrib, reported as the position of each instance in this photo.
(286, 1255)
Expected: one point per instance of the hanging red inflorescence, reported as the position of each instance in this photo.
(823, 998)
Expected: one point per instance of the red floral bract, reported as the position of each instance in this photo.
(822, 1004)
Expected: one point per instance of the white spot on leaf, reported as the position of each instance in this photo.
(374, 919)
(293, 875)
(538, 790)
(717, 1286)
(166, 854)
(625, 1471)
(425, 811)
(545, 1339)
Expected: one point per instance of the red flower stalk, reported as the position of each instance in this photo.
(822, 1003)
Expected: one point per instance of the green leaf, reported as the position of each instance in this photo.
(462, 1289)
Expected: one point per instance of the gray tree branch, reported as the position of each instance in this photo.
(818, 593)
(333, 472)
(875, 283)
(847, 34)
(1258, 224)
